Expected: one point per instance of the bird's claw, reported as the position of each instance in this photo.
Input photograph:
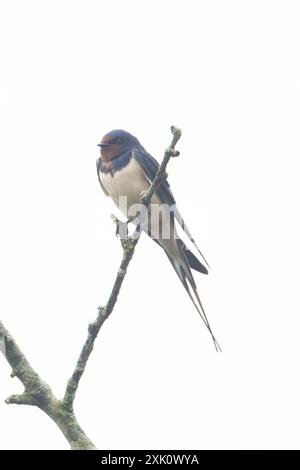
(171, 152)
(143, 196)
(121, 227)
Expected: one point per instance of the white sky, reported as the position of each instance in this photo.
(228, 74)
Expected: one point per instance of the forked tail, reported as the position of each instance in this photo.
(181, 266)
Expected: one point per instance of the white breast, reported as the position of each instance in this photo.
(130, 181)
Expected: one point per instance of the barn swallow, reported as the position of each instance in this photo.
(126, 169)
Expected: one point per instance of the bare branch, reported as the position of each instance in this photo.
(38, 393)
(161, 173)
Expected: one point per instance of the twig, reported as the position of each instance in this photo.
(93, 330)
(161, 173)
(128, 245)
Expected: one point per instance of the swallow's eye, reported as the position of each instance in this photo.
(118, 141)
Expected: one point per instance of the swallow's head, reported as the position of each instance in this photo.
(114, 143)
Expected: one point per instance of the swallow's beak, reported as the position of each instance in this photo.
(103, 144)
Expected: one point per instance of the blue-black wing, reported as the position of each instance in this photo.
(150, 167)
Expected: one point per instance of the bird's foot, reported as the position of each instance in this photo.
(171, 152)
(121, 227)
(143, 197)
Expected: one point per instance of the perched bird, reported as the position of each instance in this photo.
(125, 170)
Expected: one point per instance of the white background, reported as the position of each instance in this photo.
(228, 74)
